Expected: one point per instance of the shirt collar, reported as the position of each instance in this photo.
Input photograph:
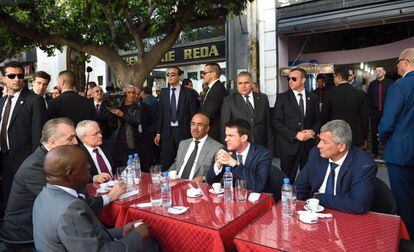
(69, 190)
(301, 92)
(212, 83)
(202, 140)
(16, 95)
(245, 152)
(90, 149)
(340, 161)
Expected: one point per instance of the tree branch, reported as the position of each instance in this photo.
(109, 20)
(144, 24)
(136, 34)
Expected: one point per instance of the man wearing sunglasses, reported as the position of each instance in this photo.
(177, 105)
(23, 114)
(396, 130)
(295, 122)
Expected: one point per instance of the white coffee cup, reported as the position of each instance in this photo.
(172, 174)
(313, 204)
(308, 217)
(103, 187)
(216, 187)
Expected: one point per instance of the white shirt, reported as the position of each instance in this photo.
(13, 105)
(97, 103)
(75, 194)
(95, 160)
(217, 169)
(328, 171)
(177, 95)
(188, 154)
(250, 97)
(296, 93)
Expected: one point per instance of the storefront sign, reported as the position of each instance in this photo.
(310, 69)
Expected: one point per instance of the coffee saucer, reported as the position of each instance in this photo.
(214, 192)
(320, 209)
(177, 209)
(102, 191)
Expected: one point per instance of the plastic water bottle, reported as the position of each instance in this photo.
(228, 185)
(166, 191)
(130, 174)
(137, 167)
(288, 198)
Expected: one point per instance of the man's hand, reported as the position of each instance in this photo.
(101, 178)
(157, 139)
(309, 134)
(300, 136)
(116, 191)
(198, 179)
(117, 112)
(225, 158)
(142, 229)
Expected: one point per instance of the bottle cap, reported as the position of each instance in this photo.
(286, 180)
(165, 174)
(130, 156)
(228, 168)
(136, 155)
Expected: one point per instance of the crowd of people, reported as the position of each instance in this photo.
(53, 145)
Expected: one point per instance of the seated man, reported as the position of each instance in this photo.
(196, 155)
(338, 173)
(101, 156)
(248, 161)
(64, 222)
(30, 178)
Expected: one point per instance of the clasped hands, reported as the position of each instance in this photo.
(224, 158)
(305, 135)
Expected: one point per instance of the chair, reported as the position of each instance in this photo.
(276, 181)
(383, 201)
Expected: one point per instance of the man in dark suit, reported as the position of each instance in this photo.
(101, 156)
(296, 122)
(213, 100)
(58, 208)
(23, 114)
(41, 80)
(70, 104)
(337, 173)
(31, 178)
(177, 105)
(396, 131)
(377, 92)
(102, 114)
(349, 104)
(251, 107)
(249, 161)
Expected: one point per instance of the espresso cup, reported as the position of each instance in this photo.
(312, 204)
(216, 187)
(103, 187)
(172, 174)
(308, 217)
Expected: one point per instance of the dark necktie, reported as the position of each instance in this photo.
(173, 106)
(380, 96)
(3, 133)
(97, 108)
(240, 158)
(190, 162)
(101, 162)
(301, 105)
(249, 106)
(330, 184)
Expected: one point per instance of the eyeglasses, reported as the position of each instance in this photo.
(197, 124)
(12, 76)
(291, 78)
(95, 134)
(171, 74)
(398, 61)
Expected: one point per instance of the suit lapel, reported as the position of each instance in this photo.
(308, 103)
(203, 153)
(2, 101)
(19, 105)
(186, 145)
(181, 97)
(344, 169)
(250, 155)
(241, 104)
(321, 168)
(293, 101)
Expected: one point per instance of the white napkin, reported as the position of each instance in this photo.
(129, 194)
(145, 204)
(194, 192)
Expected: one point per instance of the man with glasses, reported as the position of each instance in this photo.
(296, 122)
(23, 114)
(352, 79)
(396, 130)
(213, 99)
(177, 105)
(196, 155)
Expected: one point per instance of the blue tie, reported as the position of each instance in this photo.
(173, 107)
(330, 184)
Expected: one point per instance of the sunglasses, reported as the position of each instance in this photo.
(171, 74)
(291, 78)
(12, 76)
(398, 60)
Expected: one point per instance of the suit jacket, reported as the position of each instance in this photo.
(255, 169)
(110, 154)
(373, 92)
(234, 107)
(287, 121)
(103, 118)
(25, 125)
(396, 128)
(62, 222)
(29, 180)
(354, 186)
(187, 107)
(211, 106)
(206, 158)
(349, 104)
(73, 106)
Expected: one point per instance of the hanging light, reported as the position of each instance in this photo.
(361, 65)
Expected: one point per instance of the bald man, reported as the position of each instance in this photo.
(396, 130)
(63, 222)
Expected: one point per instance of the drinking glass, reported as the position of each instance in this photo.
(156, 174)
(241, 190)
(155, 194)
(121, 174)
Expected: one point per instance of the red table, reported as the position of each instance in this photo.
(114, 213)
(208, 225)
(343, 232)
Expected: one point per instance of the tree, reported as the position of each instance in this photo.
(104, 28)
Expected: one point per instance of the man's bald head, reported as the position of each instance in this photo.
(67, 166)
(405, 62)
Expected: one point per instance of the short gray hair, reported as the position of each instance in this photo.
(49, 130)
(81, 128)
(341, 132)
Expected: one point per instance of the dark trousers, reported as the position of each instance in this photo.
(402, 186)
(375, 117)
(9, 165)
(290, 163)
(169, 147)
